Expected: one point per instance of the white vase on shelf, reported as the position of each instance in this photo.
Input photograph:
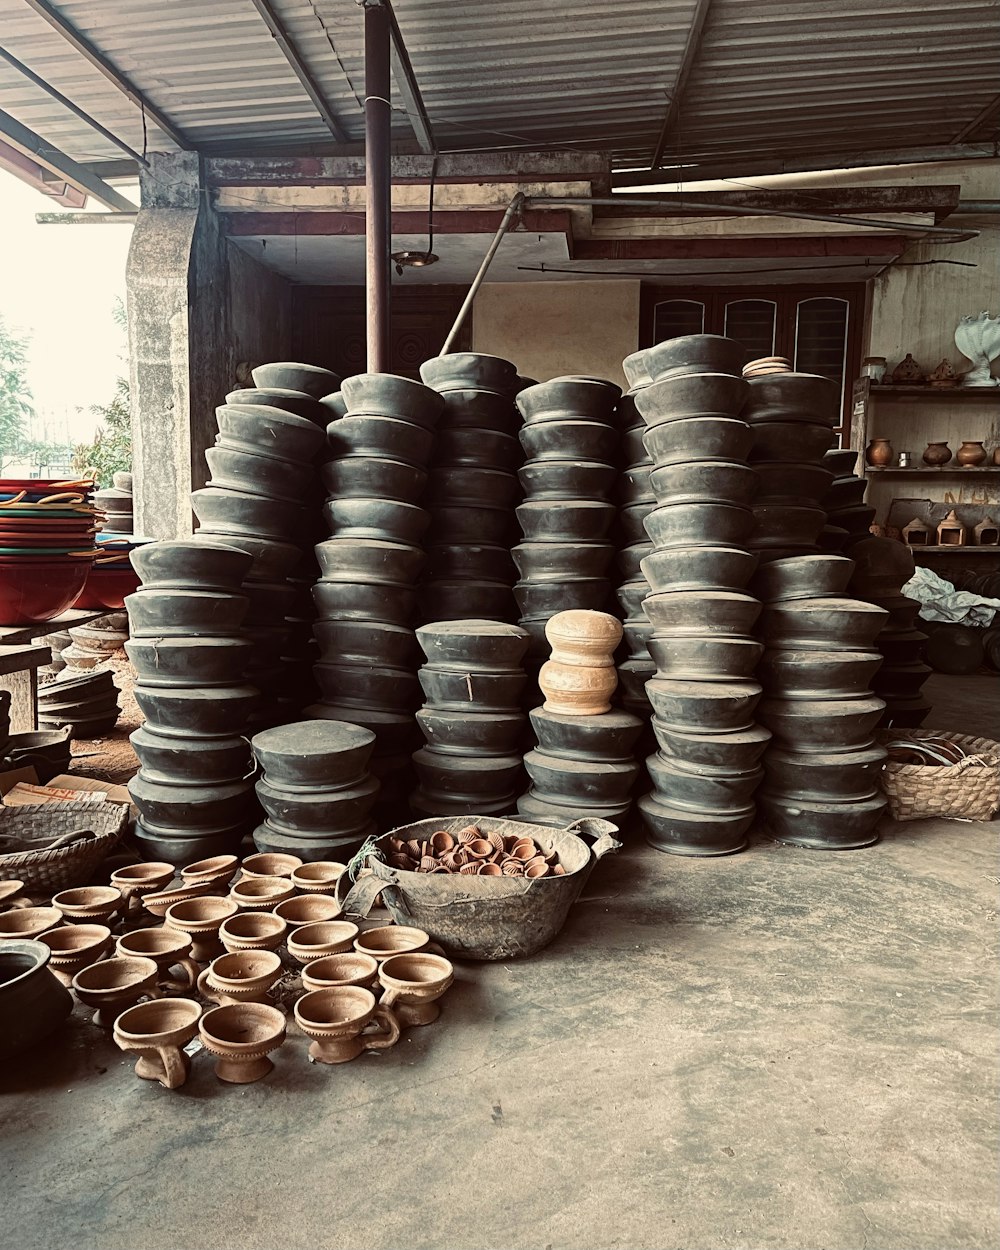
(979, 339)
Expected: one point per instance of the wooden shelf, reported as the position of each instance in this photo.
(934, 470)
(938, 392)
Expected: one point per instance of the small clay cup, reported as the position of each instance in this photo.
(336, 1020)
(313, 941)
(139, 879)
(200, 918)
(391, 939)
(347, 968)
(241, 977)
(308, 909)
(158, 1031)
(25, 923)
(413, 983)
(112, 985)
(167, 948)
(241, 1036)
(319, 877)
(252, 931)
(89, 904)
(270, 864)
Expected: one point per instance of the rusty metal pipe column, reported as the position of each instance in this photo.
(378, 184)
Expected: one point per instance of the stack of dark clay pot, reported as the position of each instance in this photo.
(261, 498)
(848, 517)
(635, 501)
(571, 443)
(193, 791)
(315, 789)
(86, 702)
(822, 767)
(473, 683)
(583, 764)
(365, 597)
(882, 566)
(472, 490)
(704, 693)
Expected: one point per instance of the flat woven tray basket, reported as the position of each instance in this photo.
(26, 833)
(968, 790)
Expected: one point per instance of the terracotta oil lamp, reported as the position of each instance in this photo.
(320, 877)
(168, 949)
(391, 939)
(261, 893)
(413, 983)
(89, 904)
(158, 904)
(270, 864)
(252, 931)
(313, 941)
(218, 871)
(24, 923)
(347, 968)
(241, 1036)
(336, 1020)
(308, 909)
(158, 1031)
(112, 985)
(200, 919)
(139, 879)
(74, 947)
(243, 977)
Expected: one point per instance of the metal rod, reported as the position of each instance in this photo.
(56, 162)
(513, 208)
(378, 186)
(691, 49)
(291, 53)
(409, 88)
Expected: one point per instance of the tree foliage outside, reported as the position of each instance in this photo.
(16, 407)
(111, 450)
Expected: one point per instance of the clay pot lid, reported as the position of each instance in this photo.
(29, 922)
(158, 1019)
(111, 976)
(242, 1028)
(71, 940)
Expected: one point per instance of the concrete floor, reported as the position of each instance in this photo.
(782, 1049)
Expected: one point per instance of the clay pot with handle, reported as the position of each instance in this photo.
(336, 1020)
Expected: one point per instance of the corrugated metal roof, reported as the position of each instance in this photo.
(772, 76)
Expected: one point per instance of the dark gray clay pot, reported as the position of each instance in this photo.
(802, 577)
(710, 524)
(684, 397)
(558, 561)
(471, 524)
(384, 519)
(270, 559)
(233, 512)
(570, 440)
(185, 613)
(387, 395)
(548, 597)
(212, 710)
(575, 521)
(609, 736)
(315, 809)
(454, 600)
(566, 399)
(477, 690)
(801, 485)
(635, 370)
(295, 402)
(394, 731)
(881, 567)
(189, 760)
(845, 492)
(796, 442)
(778, 525)
(698, 438)
(735, 752)
(373, 477)
(472, 733)
(702, 612)
(462, 371)
(185, 846)
(699, 568)
(632, 523)
(823, 826)
(33, 1003)
(270, 602)
(387, 602)
(189, 661)
(842, 462)
(335, 403)
(633, 674)
(369, 560)
(900, 682)
(705, 481)
(314, 845)
(486, 776)
(818, 674)
(793, 397)
(856, 520)
(567, 479)
(909, 647)
(694, 353)
(629, 560)
(576, 780)
(710, 790)
(538, 809)
(473, 643)
(843, 776)
(358, 641)
(365, 683)
(290, 375)
(822, 624)
(705, 658)
(272, 430)
(382, 437)
(634, 485)
(633, 447)
(807, 725)
(630, 596)
(477, 448)
(191, 565)
(474, 409)
(709, 706)
(477, 488)
(468, 562)
(186, 806)
(694, 831)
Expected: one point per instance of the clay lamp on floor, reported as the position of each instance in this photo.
(320, 877)
(252, 931)
(139, 879)
(313, 941)
(413, 983)
(308, 909)
(241, 1036)
(261, 893)
(89, 904)
(24, 923)
(217, 871)
(347, 968)
(391, 939)
(336, 1020)
(168, 949)
(270, 864)
(112, 985)
(75, 947)
(158, 1031)
(158, 904)
(243, 977)
(200, 919)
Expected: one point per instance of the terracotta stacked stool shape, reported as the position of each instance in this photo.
(192, 790)
(822, 766)
(571, 443)
(473, 490)
(635, 501)
(315, 789)
(365, 597)
(583, 764)
(848, 517)
(882, 566)
(707, 767)
(473, 684)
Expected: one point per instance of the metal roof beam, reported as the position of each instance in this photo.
(409, 89)
(33, 175)
(983, 115)
(302, 71)
(690, 55)
(39, 150)
(110, 71)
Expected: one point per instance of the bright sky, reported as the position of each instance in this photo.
(60, 283)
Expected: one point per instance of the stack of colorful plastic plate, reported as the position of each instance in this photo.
(112, 576)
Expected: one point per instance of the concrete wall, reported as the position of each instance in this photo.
(549, 329)
(260, 314)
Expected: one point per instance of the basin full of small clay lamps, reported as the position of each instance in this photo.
(473, 853)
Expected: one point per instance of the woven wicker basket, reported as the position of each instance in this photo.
(99, 828)
(968, 790)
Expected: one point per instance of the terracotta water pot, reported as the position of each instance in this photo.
(936, 454)
(337, 1019)
(25, 923)
(252, 931)
(413, 985)
(386, 394)
(697, 438)
(702, 612)
(377, 437)
(271, 431)
(693, 524)
(33, 1002)
(347, 968)
(970, 454)
(570, 440)
(200, 919)
(241, 977)
(719, 707)
(184, 613)
(241, 1036)
(219, 870)
(113, 985)
(90, 904)
(139, 879)
(287, 399)
(694, 831)
(694, 354)
(191, 565)
(158, 1031)
(698, 567)
(168, 949)
(737, 751)
(371, 477)
(229, 511)
(260, 893)
(314, 941)
(798, 442)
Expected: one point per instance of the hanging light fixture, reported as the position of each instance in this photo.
(420, 260)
